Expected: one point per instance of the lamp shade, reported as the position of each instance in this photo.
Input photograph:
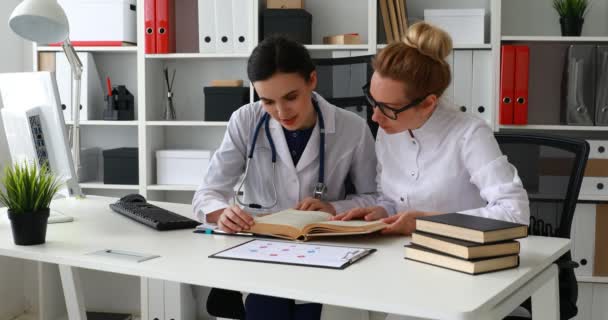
(41, 21)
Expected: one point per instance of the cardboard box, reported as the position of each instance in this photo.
(285, 4)
(227, 83)
(349, 38)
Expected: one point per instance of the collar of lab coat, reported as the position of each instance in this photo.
(311, 152)
(430, 134)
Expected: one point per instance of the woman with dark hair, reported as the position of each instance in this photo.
(293, 149)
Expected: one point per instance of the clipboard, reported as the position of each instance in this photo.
(295, 253)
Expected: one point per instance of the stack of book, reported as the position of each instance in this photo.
(466, 243)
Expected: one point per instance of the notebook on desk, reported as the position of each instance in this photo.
(299, 254)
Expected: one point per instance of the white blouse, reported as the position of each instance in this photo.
(451, 164)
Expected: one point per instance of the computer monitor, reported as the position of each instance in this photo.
(34, 125)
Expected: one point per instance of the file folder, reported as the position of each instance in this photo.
(165, 26)
(580, 91)
(63, 76)
(583, 238)
(206, 26)
(520, 106)
(91, 89)
(463, 69)
(241, 22)
(481, 104)
(601, 92)
(223, 26)
(150, 25)
(507, 84)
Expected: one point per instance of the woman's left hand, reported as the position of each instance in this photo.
(404, 223)
(312, 204)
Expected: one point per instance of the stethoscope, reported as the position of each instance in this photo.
(320, 189)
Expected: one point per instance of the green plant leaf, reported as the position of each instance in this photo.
(29, 188)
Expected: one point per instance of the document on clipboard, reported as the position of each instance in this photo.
(293, 253)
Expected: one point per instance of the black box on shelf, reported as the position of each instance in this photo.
(221, 102)
(120, 166)
(296, 24)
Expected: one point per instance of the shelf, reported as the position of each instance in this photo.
(187, 123)
(554, 39)
(166, 187)
(592, 279)
(126, 49)
(101, 185)
(178, 56)
(104, 123)
(458, 46)
(587, 197)
(553, 127)
(336, 47)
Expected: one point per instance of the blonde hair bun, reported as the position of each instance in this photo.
(430, 40)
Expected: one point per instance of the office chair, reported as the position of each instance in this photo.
(551, 169)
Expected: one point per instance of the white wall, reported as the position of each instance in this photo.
(13, 59)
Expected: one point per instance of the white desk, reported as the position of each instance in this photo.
(382, 282)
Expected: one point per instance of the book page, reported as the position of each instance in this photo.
(294, 218)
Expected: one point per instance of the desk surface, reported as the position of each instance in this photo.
(382, 282)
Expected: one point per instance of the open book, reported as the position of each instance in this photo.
(301, 225)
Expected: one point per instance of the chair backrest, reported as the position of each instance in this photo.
(340, 82)
(551, 169)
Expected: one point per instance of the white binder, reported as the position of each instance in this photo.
(206, 26)
(91, 98)
(179, 301)
(463, 74)
(583, 238)
(481, 93)
(156, 303)
(63, 76)
(223, 26)
(91, 90)
(241, 22)
(448, 94)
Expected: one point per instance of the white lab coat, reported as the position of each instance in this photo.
(450, 164)
(349, 150)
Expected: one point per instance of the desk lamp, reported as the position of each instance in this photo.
(44, 22)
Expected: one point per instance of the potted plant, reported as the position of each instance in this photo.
(571, 15)
(29, 191)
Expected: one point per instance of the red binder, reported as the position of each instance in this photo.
(520, 108)
(165, 26)
(507, 84)
(149, 25)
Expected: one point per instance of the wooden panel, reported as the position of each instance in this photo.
(600, 264)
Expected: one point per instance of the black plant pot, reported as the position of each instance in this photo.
(29, 228)
(571, 26)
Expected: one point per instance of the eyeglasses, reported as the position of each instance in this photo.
(389, 112)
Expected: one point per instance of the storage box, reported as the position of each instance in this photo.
(285, 4)
(101, 23)
(89, 163)
(295, 24)
(221, 102)
(463, 25)
(120, 166)
(351, 38)
(182, 167)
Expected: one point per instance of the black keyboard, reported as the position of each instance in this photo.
(135, 207)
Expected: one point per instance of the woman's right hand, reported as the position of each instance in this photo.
(234, 219)
(367, 214)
